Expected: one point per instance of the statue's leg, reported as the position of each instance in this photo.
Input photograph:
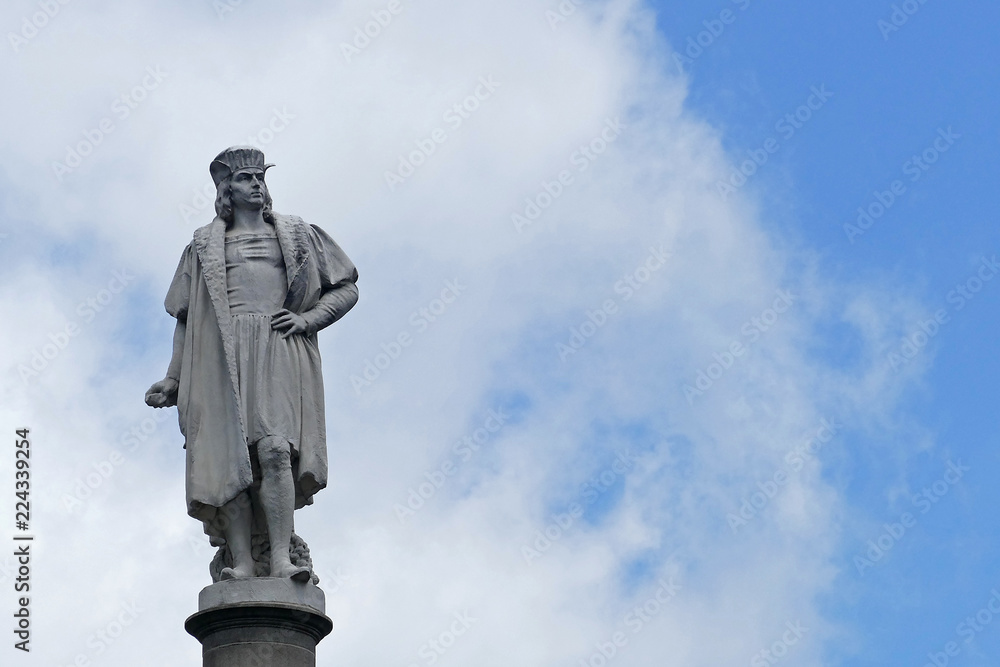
(277, 497)
(237, 515)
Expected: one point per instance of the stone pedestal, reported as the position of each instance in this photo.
(260, 622)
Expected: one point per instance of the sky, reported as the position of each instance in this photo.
(673, 344)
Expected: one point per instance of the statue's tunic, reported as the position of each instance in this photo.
(241, 381)
(256, 279)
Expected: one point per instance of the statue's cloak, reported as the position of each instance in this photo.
(321, 288)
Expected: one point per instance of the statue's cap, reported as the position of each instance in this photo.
(234, 159)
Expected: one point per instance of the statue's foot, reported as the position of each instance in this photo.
(300, 574)
(234, 573)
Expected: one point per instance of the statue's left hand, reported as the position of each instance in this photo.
(288, 323)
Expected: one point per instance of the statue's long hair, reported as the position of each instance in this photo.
(224, 201)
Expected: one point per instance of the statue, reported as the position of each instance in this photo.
(250, 293)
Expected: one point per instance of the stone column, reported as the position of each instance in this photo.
(260, 622)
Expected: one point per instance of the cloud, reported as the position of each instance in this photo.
(590, 109)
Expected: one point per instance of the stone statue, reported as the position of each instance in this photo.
(252, 289)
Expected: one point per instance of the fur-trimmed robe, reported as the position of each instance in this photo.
(321, 288)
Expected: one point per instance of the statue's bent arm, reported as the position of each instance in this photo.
(332, 305)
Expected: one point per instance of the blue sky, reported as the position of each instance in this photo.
(698, 389)
(891, 96)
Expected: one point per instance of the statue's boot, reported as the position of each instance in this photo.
(234, 573)
(300, 574)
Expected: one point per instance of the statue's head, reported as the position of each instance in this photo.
(238, 173)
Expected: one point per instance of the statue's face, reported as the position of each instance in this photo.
(248, 189)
